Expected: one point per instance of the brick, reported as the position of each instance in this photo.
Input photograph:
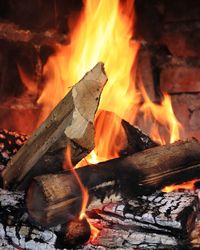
(182, 113)
(182, 39)
(180, 79)
(191, 100)
(195, 120)
(181, 10)
(145, 71)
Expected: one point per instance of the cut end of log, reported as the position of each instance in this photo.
(42, 201)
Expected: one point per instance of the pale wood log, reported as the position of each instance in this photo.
(71, 120)
(55, 198)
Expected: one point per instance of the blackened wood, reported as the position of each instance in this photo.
(136, 140)
(17, 232)
(173, 212)
(117, 228)
(71, 120)
(158, 221)
(54, 198)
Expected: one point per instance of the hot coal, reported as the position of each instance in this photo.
(10, 143)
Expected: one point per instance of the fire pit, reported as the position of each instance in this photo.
(88, 177)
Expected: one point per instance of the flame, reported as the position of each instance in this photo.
(189, 185)
(103, 32)
(161, 114)
(85, 196)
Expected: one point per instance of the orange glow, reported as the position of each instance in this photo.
(102, 33)
(189, 185)
(85, 196)
(161, 115)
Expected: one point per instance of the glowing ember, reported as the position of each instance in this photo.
(85, 196)
(189, 185)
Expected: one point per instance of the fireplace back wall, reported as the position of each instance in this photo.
(168, 60)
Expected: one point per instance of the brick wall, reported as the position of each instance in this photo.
(169, 59)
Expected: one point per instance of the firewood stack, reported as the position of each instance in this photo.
(41, 209)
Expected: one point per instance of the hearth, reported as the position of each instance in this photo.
(99, 139)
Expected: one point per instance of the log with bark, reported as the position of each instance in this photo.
(153, 221)
(52, 199)
(70, 121)
(52, 161)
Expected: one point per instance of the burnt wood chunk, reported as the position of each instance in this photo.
(121, 225)
(71, 120)
(158, 221)
(136, 139)
(52, 199)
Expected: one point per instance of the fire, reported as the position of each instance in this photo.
(103, 32)
(85, 196)
(161, 114)
(189, 185)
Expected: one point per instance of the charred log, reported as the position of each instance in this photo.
(125, 224)
(52, 199)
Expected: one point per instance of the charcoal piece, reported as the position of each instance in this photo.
(158, 221)
(173, 212)
(118, 232)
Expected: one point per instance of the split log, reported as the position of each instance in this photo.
(52, 199)
(71, 120)
(52, 161)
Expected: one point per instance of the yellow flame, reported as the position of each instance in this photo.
(103, 32)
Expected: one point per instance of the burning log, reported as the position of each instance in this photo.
(52, 161)
(71, 121)
(125, 222)
(160, 220)
(18, 232)
(52, 199)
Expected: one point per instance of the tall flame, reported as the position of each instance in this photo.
(103, 32)
(85, 196)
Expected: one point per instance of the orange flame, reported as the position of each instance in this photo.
(68, 165)
(161, 114)
(189, 185)
(85, 196)
(103, 32)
